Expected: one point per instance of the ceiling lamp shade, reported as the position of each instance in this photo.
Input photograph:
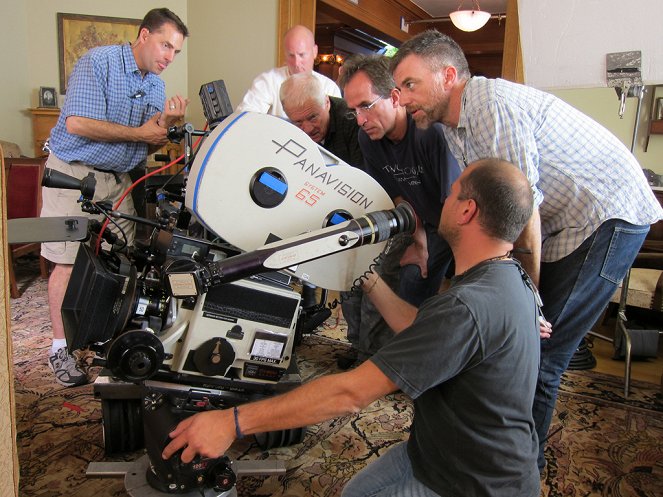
(469, 20)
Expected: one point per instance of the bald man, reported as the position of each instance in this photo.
(449, 355)
(300, 52)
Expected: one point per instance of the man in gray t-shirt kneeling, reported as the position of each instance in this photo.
(452, 356)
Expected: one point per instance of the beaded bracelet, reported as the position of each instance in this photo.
(238, 431)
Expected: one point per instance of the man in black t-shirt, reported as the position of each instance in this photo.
(412, 165)
(452, 355)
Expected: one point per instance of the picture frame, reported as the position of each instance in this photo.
(48, 97)
(78, 33)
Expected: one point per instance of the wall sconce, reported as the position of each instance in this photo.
(329, 58)
(469, 20)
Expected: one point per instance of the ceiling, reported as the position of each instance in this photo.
(441, 8)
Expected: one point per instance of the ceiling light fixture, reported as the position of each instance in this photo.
(469, 20)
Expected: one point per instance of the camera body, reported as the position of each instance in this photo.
(185, 322)
(243, 331)
(182, 306)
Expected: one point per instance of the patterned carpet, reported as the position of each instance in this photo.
(601, 445)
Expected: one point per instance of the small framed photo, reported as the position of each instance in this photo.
(48, 97)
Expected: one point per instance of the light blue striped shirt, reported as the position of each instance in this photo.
(581, 174)
(107, 85)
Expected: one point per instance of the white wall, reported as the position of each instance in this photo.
(564, 42)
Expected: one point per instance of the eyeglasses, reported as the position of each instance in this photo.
(352, 114)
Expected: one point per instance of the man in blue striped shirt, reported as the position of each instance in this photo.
(594, 206)
(115, 113)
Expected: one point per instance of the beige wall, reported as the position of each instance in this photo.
(231, 40)
(602, 105)
(29, 57)
(15, 93)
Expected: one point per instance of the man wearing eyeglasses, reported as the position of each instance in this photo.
(321, 117)
(411, 165)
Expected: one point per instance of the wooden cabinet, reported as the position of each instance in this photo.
(43, 120)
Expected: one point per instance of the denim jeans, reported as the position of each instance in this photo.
(367, 331)
(389, 476)
(575, 290)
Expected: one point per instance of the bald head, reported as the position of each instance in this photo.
(503, 196)
(299, 49)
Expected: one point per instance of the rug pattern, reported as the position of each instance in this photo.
(603, 445)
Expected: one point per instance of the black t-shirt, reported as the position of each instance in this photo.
(470, 362)
(419, 168)
(341, 138)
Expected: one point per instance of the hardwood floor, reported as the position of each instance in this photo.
(650, 370)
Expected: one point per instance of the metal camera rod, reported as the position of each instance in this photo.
(186, 131)
(374, 227)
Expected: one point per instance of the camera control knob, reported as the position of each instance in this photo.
(214, 356)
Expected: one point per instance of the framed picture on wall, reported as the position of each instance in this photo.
(79, 33)
(48, 97)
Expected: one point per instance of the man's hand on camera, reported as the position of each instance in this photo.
(173, 111)
(153, 134)
(208, 434)
(417, 252)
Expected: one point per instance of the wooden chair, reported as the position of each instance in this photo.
(23, 183)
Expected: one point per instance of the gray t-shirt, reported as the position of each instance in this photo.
(470, 362)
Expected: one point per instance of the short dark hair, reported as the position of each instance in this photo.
(438, 49)
(156, 18)
(503, 196)
(376, 67)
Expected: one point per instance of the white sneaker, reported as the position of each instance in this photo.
(66, 369)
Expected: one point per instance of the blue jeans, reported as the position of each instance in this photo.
(575, 290)
(389, 476)
(367, 331)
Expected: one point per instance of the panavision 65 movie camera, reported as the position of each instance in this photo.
(202, 315)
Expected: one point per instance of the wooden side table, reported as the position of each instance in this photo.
(43, 120)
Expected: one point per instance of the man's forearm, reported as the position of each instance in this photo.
(103, 131)
(210, 433)
(324, 398)
(529, 243)
(396, 312)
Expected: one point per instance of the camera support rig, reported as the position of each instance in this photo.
(178, 311)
